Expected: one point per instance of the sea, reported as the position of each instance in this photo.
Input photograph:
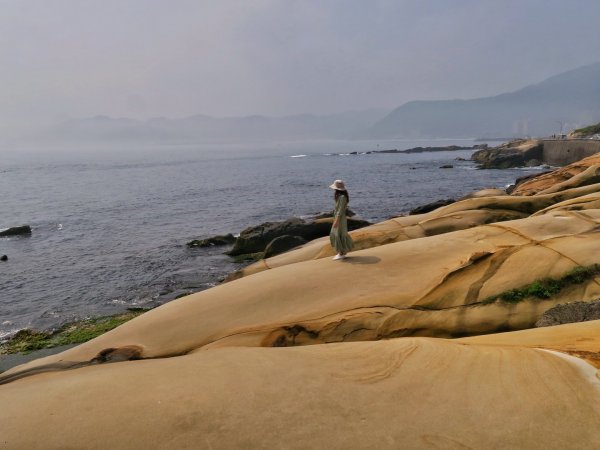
(110, 225)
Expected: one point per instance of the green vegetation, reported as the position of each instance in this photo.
(26, 341)
(547, 287)
(587, 131)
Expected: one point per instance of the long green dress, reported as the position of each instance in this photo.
(339, 237)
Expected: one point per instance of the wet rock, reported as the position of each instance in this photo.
(255, 239)
(3, 258)
(447, 166)
(213, 241)
(431, 206)
(16, 231)
(283, 244)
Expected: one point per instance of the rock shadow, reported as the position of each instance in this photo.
(361, 260)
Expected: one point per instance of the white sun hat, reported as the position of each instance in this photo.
(338, 185)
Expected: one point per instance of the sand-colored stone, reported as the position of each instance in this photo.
(206, 370)
(488, 392)
(585, 202)
(563, 178)
(419, 287)
(489, 192)
(461, 215)
(578, 339)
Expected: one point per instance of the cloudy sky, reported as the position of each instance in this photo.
(144, 58)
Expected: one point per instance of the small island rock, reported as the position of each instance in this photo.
(15, 231)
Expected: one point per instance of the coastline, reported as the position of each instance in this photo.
(383, 320)
(28, 341)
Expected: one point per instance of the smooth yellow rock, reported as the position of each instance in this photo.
(457, 216)
(421, 287)
(400, 393)
(560, 179)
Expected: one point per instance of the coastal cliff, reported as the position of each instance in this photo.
(301, 351)
(533, 152)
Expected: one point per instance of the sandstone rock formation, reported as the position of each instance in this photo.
(563, 178)
(496, 391)
(438, 286)
(461, 215)
(208, 370)
(512, 154)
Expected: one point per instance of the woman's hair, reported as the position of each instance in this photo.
(339, 192)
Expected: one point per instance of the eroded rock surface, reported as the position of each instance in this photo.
(305, 352)
(399, 393)
(562, 179)
(512, 154)
(461, 215)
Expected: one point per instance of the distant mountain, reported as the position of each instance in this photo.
(571, 99)
(200, 128)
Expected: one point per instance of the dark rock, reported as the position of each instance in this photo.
(213, 241)
(15, 231)
(447, 166)
(513, 154)
(431, 206)
(255, 239)
(283, 244)
(431, 149)
(570, 313)
(460, 159)
(533, 163)
(3, 258)
(248, 257)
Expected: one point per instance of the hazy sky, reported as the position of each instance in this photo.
(145, 58)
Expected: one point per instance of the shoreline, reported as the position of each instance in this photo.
(240, 262)
(383, 320)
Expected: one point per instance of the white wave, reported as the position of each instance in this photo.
(5, 335)
(542, 167)
(298, 156)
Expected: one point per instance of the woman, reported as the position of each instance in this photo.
(340, 240)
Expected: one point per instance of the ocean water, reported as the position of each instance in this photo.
(110, 226)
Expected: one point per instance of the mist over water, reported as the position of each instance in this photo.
(110, 227)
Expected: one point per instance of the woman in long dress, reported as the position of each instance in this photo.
(339, 237)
